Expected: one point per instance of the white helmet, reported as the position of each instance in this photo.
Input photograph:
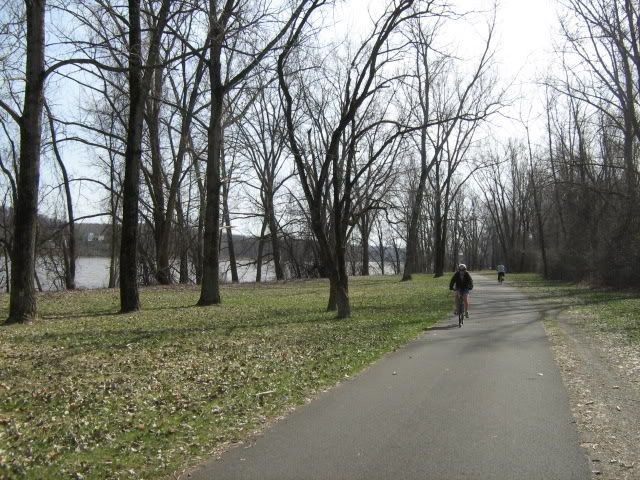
(462, 267)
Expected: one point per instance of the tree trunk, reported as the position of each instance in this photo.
(22, 303)
(416, 209)
(412, 235)
(115, 243)
(439, 240)
(556, 183)
(6, 269)
(198, 254)
(68, 247)
(233, 262)
(183, 245)
(183, 278)
(129, 297)
(342, 293)
(226, 218)
(396, 251)
(275, 242)
(139, 85)
(37, 280)
(161, 218)
(365, 232)
(173, 202)
(332, 304)
(210, 291)
(260, 251)
(381, 250)
(115, 233)
(538, 213)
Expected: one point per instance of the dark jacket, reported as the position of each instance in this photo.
(462, 281)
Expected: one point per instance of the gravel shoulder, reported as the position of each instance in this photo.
(601, 371)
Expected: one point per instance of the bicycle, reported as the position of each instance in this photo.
(460, 303)
(500, 277)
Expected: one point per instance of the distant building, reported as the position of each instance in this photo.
(91, 236)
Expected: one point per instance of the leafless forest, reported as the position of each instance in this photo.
(198, 122)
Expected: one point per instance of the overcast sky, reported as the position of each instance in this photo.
(525, 32)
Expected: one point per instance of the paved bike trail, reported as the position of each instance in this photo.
(484, 401)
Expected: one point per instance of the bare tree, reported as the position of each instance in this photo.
(139, 86)
(507, 197)
(449, 106)
(164, 177)
(537, 205)
(594, 153)
(603, 35)
(69, 243)
(262, 139)
(327, 168)
(226, 20)
(22, 305)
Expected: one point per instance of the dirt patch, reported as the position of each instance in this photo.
(601, 371)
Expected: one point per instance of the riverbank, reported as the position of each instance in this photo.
(88, 393)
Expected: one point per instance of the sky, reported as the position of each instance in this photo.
(524, 43)
(525, 32)
(525, 27)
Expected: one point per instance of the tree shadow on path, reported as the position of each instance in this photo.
(442, 327)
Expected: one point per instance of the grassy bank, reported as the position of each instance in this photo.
(88, 393)
(608, 310)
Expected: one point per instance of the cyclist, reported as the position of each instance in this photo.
(501, 271)
(461, 283)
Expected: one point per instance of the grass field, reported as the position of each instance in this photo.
(90, 394)
(608, 310)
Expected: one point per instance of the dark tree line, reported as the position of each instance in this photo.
(565, 204)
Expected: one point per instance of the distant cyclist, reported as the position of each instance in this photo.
(461, 283)
(501, 271)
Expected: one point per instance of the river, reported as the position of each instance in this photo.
(93, 272)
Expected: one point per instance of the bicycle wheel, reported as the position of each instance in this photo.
(460, 311)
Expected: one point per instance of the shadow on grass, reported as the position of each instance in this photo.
(122, 339)
(274, 313)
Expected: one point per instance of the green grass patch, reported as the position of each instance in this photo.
(88, 393)
(608, 310)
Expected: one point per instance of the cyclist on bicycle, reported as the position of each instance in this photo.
(501, 271)
(461, 283)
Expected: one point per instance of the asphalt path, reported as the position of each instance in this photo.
(485, 401)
